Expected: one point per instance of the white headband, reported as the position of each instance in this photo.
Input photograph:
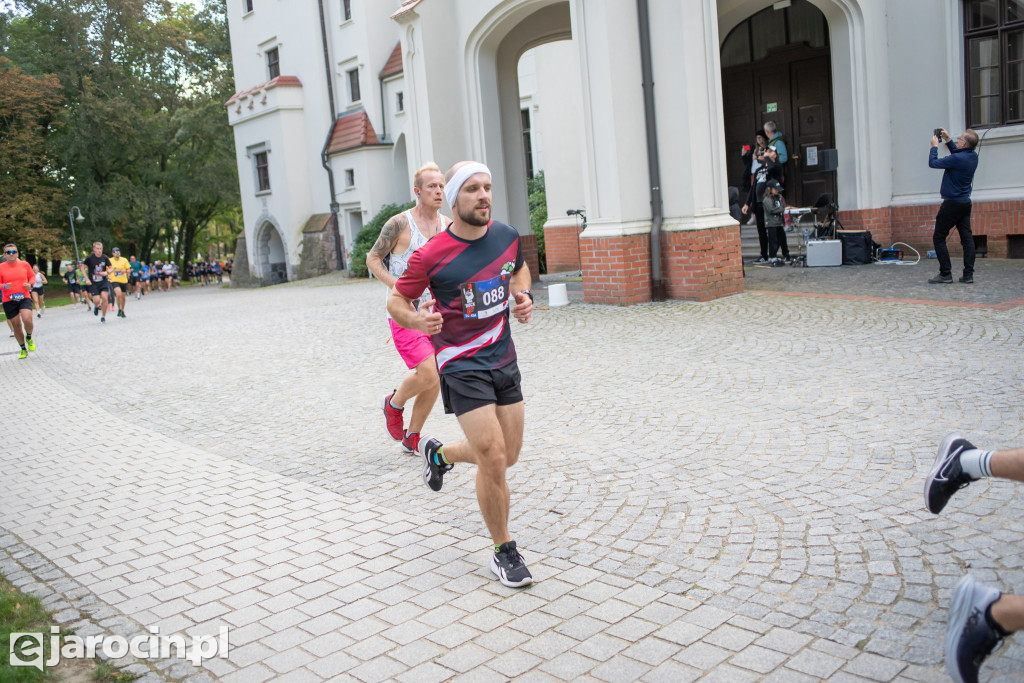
(451, 190)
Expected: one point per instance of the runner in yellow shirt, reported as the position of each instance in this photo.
(119, 270)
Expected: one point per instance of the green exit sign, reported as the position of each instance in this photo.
(773, 107)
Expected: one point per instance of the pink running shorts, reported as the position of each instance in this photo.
(413, 346)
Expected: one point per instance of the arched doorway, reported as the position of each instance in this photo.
(776, 65)
(270, 255)
(496, 132)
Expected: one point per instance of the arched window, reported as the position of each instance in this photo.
(750, 41)
(994, 62)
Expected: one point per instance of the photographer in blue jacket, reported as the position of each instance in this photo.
(955, 211)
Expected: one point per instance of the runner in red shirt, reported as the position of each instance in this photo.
(473, 269)
(16, 280)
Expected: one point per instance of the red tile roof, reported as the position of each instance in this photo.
(351, 131)
(279, 81)
(394, 65)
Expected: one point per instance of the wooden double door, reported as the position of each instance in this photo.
(793, 87)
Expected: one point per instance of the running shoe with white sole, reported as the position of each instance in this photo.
(30, 344)
(510, 568)
(410, 442)
(969, 636)
(433, 474)
(946, 476)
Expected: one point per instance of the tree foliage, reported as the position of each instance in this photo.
(537, 192)
(143, 146)
(31, 197)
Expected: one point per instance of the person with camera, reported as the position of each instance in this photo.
(955, 211)
(770, 169)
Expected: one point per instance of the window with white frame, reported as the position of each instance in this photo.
(247, 5)
(350, 177)
(353, 85)
(346, 9)
(273, 63)
(260, 155)
(399, 102)
(994, 62)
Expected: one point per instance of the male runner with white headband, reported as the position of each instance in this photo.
(472, 269)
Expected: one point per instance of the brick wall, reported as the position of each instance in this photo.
(561, 248)
(914, 225)
(530, 255)
(700, 265)
(616, 270)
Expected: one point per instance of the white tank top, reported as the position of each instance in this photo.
(398, 263)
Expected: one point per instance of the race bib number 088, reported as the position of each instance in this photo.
(485, 298)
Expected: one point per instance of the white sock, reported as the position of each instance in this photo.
(976, 463)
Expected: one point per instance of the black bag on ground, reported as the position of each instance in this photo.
(858, 247)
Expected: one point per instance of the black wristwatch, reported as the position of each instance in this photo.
(528, 293)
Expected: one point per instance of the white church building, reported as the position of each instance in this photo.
(636, 111)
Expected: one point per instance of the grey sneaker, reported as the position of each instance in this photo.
(941, 280)
(947, 476)
(969, 636)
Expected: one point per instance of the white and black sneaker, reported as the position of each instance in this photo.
(970, 638)
(510, 568)
(433, 474)
(946, 476)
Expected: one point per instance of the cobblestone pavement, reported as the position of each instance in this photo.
(728, 490)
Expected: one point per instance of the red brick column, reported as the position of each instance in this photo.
(530, 255)
(562, 248)
(700, 265)
(616, 270)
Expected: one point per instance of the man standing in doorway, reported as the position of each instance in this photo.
(400, 237)
(97, 264)
(16, 279)
(473, 269)
(771, 130)
(955, 211)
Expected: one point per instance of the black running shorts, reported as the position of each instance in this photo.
(11, 308)
(97, 288)
(123, 286)
(468, 390)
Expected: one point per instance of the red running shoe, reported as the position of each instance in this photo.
(411, 442)
(396, 426)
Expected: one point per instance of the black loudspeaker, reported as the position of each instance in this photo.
(856, 247)
(828, 160)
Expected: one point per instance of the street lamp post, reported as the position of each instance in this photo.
(71, 219)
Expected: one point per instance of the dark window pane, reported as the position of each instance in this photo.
(982, 13)
(347, 8)
(985, 110)
(262, 172)
(736, 48)
(273, 63)
(984, 52)
(986, 82)
(806, 24)
(769, 31)
(1015, 102)
(1014, 10)
(1014, 45)
(248, 5)
(353, 84)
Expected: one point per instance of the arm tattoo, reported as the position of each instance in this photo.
(389, 235)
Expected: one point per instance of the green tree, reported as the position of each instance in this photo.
(538, 215)
(31, 198)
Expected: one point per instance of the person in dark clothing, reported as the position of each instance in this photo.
(747, 157)
(770, 169)
(955, 211)
(775, 222)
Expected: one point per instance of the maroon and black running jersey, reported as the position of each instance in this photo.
(470, 282)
